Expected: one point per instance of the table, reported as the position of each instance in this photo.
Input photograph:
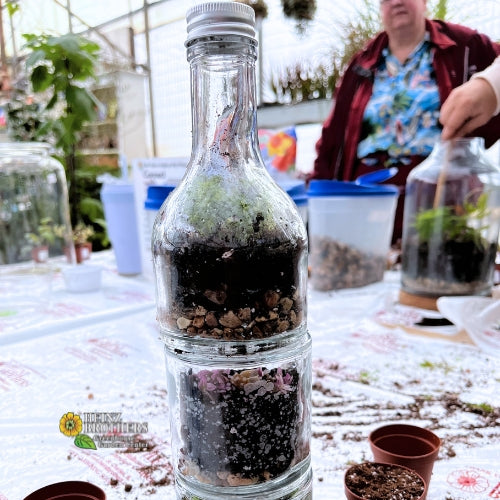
(99, 355)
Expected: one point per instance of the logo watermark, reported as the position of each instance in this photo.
(94, 430)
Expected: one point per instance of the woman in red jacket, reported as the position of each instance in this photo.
(387, 104)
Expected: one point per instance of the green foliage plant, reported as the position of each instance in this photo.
(82, 233)
(59, 70)
(45, 235)
(454, 223)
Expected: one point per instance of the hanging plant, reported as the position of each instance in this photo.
(300, 10)
(259, 7)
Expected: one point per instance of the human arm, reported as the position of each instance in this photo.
(472, 104)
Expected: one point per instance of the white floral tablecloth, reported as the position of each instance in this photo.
(99, 354)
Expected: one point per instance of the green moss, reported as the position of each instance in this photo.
(480, 408)
(437, 366)
(226, 208)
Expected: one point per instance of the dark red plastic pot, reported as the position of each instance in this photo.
(68, 490)
(383, 481)
(407, 445)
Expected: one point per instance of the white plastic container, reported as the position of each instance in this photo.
(83, 278)
(350, 228)
(119, 210)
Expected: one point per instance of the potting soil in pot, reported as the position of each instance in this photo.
(242, 427)
(374, 481)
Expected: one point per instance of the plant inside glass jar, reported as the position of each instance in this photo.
(450, 244)
(454, 223)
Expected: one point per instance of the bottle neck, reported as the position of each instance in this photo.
(224, 112)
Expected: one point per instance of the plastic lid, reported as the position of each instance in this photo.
(296, 189)
(300, 201)
(156, 196)
(68, 490)
(343, 188)
(220, 18)
(293, 188)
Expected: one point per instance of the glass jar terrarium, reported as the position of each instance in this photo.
(230, 260)
(241, 426)
(451, 223)
(34, 207)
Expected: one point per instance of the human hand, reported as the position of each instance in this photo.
(467, 108)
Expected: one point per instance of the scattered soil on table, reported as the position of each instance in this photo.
(342, 418)
(373, 481)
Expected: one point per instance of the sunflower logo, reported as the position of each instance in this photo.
(71, 425)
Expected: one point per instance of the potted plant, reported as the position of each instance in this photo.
(83, 247)
(41, 240)
(59, 69)
(80, 236)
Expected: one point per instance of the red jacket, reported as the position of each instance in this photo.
(459, 53)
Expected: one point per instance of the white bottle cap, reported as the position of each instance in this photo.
(220, 18)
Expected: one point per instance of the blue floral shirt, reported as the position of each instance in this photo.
(401, 117)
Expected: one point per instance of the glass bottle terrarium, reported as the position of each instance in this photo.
(230, 261)
(451, 222)
(34, 207)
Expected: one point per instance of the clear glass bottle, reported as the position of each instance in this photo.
(451, 222)
(34, 206)
(230, 260)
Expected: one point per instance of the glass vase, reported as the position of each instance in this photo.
(451, 222)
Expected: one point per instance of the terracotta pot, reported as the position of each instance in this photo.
(83, 251)
(382, 481)
(40, 254)
(407, 445)
(68, 490)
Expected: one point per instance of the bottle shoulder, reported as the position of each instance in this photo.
(231, 207)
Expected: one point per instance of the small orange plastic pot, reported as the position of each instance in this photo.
(407, 445)
(68, 490)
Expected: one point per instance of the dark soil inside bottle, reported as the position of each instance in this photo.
(376, 481)
(235, 293)
(454, 268)
(241, 427)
